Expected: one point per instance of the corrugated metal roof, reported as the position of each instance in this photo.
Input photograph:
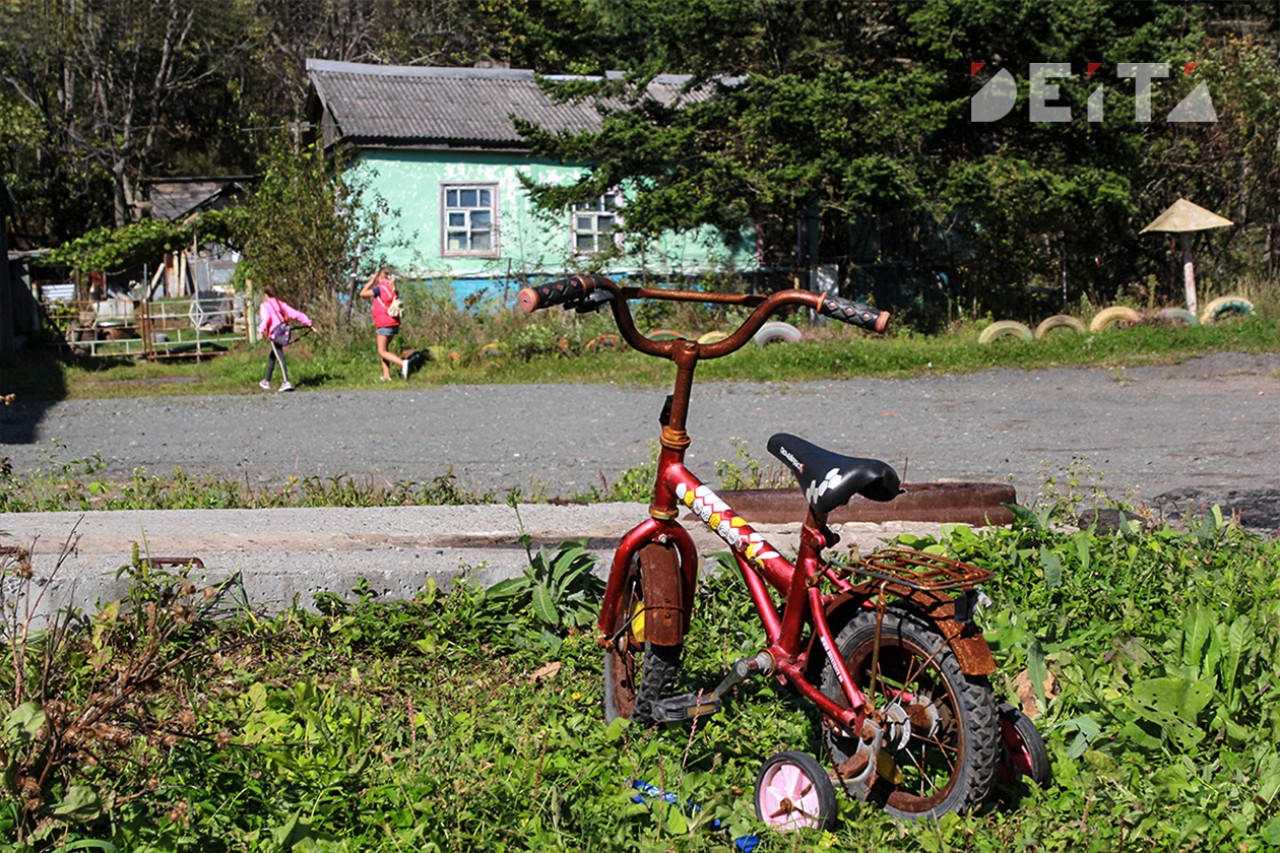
(449, 106)
(174, 198)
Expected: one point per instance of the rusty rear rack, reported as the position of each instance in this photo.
(918, 570)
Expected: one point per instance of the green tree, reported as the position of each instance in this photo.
(843, 132)
(110, 82)
(303, 228)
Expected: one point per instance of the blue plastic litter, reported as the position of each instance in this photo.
(746, 844)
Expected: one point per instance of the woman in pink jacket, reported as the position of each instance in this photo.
(274, 315)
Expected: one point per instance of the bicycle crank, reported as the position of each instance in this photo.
(689, 706)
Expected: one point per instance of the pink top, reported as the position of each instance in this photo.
(384, 293)
(272, 312)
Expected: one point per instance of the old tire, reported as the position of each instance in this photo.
(943, 754)
(1116, 314)
(1176, 316)
(713, 337)
(1058, 321)
(1225, 306)
(608, 340)
(1005, 329)
(664, 335)
(776, 331)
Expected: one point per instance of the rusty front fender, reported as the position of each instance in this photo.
(669, 565)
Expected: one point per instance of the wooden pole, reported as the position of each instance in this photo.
(1189, 273)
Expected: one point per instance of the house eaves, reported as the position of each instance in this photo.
(435, 107)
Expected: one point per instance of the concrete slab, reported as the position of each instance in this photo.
(287, 555)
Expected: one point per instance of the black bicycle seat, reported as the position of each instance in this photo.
(830, 480)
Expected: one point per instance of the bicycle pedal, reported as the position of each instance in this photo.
(686, 706)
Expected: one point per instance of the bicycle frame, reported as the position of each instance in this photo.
(760, 566)
(759, 562)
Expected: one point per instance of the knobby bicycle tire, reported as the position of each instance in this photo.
(949, 761)
(637, 673)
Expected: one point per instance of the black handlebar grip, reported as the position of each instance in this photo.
(854, 313)
(563, 290)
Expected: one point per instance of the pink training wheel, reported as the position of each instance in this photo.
(1022, 749)
(793, 792)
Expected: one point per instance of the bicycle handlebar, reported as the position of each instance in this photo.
(577, 288)
(853, 313)
(569, 289)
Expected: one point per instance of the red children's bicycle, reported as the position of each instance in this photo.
(886, 647)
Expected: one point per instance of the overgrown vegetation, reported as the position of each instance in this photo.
(180, 718)
(62, 484)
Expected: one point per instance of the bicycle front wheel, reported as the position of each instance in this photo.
(637, 672)
(939, 748)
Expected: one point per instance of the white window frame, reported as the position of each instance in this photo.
(448, 212)
(607, 206)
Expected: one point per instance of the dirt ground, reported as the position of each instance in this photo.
(1171, 437)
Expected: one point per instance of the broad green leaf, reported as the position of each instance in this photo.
(1083, 541)
(1197, 627)
(1086, 729)
(24, 722)
(1026, 517)
(1052, 566)
(1271, 831)
(544, 606)
(1269, 778)
(1134, 733)
(1038, 671)
(1238, 636)
(507, 588)
(81, 803)
(1178, 697)
(673, 819)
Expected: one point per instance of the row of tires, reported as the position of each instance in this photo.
(1117, 315)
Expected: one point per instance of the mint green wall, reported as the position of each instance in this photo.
(529, 243)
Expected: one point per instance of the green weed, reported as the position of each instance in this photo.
(180, 719)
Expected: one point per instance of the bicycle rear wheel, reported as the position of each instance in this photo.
(637, 672)
(941, 737)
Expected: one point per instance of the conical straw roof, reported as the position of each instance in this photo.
(1182, 216)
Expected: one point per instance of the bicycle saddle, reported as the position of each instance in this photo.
(828, 479)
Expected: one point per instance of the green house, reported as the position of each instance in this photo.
(438, 144)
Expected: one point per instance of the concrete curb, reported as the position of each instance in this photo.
(287, 555)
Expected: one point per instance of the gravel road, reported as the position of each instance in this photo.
(1206, 430)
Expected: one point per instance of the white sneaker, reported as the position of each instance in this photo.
(287, 386)
(264, 385)
(404, 368)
